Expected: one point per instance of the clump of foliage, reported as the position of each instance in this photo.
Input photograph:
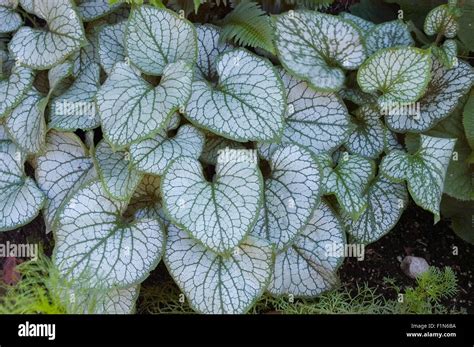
(152, 137)
(42, 289)
(432, 287)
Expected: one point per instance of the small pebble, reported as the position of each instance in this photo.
(414, 266)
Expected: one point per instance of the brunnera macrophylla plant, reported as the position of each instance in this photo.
(152, 139)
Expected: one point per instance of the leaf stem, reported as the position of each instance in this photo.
(27, 15)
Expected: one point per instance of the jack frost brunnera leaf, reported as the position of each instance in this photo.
(440, 99)
(458, 182)
(315, 120)
(26, 123)
(111, 45)
(400, 74)
(363, 25)
(209, 49)
(88, 54)
(390, 141)
(215, 145)
(154, 154)
(367, 139)
(3, 133)
(119, 301)
(90, 10)
(21, 199)
(96, 244)
(63, 167)
(157, 37)
(290, 196)
(41, 49)
(14, 88)
(447, 53)
(218, 284)
(424, 171)
(117, 173)
(317, 47)
(10, 20)
(441, 20)
(308, 267)
(146, 200)
(347, 181)
(389, 34)
(248, 102)
(386, 201)
(76, 109)
(58, 74)
(113, 301)
(131, 109)
(219, 213)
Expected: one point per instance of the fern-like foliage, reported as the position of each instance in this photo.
(248, 25)
(43, 290)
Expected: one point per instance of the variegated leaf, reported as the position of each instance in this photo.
(442, 95)
(21, 199)
(386, 202)
(424, 171)
(367, 139)
(219, 213)
(34, 47)
(218, 284)
(308, 267)
(153, 155)
(307, 41)
(26, 123)
(441, 20)
(75, 108)
(64, 166)
(10, 20)
(248, 102)
(111, 45)
(290, 197)
(90, 10)
(118, 175)
(157, 37)
(14, 88)
(400, 74)
(347, 181)
(105, 249)
(132, 109)
(317, 121)
(388, 34)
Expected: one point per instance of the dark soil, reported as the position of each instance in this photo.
(414, 235)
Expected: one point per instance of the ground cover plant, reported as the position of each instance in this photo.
(244, 145)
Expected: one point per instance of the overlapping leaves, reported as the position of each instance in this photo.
(239, 190)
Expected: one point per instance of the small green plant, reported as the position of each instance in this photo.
(43, 290)
(426, 297)
(432, 287)
(36, 292)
